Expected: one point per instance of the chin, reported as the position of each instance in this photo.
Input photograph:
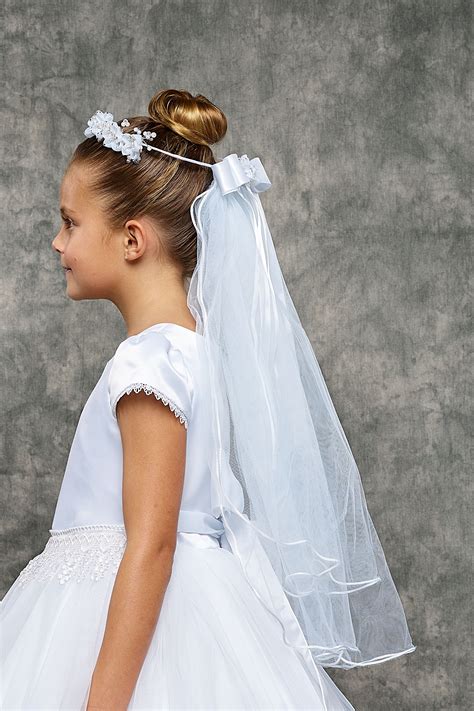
(74, 294)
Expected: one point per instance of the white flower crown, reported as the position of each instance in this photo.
(103, 127)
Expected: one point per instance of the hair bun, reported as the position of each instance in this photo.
(193, 117)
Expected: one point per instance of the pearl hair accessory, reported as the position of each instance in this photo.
(103, 127)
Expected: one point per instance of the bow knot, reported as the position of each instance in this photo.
(233, 171)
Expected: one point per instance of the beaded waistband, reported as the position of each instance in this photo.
(91, 527)
(90, 552)
(77, 554)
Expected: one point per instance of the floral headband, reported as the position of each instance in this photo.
(230, 173)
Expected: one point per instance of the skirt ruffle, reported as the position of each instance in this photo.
(215, 645)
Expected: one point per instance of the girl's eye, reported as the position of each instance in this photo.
(67, 222)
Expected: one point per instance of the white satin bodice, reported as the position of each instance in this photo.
(164, 361)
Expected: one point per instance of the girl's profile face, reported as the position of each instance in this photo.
(92, 261)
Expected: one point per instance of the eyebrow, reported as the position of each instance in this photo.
(65, 211)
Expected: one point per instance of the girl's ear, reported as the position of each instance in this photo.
(135, 240)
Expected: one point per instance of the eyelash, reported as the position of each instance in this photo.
(66, 219)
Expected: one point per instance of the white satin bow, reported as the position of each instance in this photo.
(233, 171)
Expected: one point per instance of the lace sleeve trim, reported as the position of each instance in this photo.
(150, 390)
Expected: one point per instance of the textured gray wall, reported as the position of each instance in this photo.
(359, 112)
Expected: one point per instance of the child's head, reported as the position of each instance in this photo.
(129, 223)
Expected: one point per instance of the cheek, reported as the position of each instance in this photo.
(79, 251)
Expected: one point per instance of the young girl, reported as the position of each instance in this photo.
(211, 546)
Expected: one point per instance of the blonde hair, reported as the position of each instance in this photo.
(159, 186)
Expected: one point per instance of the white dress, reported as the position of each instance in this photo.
(215, 645)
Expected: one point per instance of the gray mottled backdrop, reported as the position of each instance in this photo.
(359, 111)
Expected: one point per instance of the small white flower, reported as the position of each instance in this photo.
(125, 122)
(247, 166)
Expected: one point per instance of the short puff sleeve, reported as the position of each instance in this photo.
(150, 362)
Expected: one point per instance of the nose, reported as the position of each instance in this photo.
(54, 243)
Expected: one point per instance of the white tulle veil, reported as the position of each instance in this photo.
(285, 482)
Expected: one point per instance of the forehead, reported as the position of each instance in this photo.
(74, 194)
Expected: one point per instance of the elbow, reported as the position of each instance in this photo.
(160, 553)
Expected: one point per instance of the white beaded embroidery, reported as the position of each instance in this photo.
(78, 553)
(150, 390)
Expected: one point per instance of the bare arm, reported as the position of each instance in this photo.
(154, 451)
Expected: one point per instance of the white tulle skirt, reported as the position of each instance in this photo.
(215, 645)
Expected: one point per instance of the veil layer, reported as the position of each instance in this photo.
(284, 480)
